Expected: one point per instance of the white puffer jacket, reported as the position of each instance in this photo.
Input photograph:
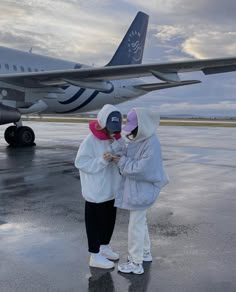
(142, 167)
(100, 180)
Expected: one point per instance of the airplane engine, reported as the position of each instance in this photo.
(8, 114)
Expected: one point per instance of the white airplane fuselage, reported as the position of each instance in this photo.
(67, 99)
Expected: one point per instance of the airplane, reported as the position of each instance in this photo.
(32, 83)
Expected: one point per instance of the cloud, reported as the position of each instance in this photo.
(154, 6)
(167, 33)
(211, 44)
(198, 41)
(69, 29)
(199, 29)
(79, 29)
(210, 11)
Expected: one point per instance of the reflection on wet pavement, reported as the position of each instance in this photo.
(43, 245)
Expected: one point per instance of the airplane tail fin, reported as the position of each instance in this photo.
(130, 50)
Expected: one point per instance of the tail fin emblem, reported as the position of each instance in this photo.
(134, 46)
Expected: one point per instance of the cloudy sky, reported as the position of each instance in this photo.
(89, 31)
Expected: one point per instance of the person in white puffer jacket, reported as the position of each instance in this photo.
(144, 176)
(100, 181)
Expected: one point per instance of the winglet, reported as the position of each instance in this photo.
(130, 50)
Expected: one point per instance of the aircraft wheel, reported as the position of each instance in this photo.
(25, 136)
(10, 135)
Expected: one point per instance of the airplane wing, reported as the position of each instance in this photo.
(163, 71)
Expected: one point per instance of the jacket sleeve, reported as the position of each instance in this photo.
(119, 147)
(147, 168)
(85, 160)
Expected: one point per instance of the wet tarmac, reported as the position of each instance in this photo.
(43, 244)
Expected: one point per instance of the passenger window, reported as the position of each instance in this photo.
(7, 66)
(22, 68)
(14, 67)
(77, 66)
(29, 69)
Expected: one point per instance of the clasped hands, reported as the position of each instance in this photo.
(109, 157)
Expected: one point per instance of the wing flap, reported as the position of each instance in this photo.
(162, 85)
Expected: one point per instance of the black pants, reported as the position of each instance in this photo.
(100, 222)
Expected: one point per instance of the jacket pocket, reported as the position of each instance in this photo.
(142, 194)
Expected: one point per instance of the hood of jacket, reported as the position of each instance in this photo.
(148, 121)
(99, 124)
(104, 113)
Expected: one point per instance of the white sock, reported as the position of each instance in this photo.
(95, 255)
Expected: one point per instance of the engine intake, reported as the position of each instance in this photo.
(8, 115)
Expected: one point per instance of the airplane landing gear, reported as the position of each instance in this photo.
(10, 135)
(19, 136)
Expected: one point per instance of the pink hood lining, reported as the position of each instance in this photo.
(99, 133)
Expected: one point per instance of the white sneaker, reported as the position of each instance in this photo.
(147, 257)
(108, 253)
(131, 267)
(99, 261)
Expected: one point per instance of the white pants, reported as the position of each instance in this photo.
(138, 235)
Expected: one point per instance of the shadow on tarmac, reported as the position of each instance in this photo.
(102, 281)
